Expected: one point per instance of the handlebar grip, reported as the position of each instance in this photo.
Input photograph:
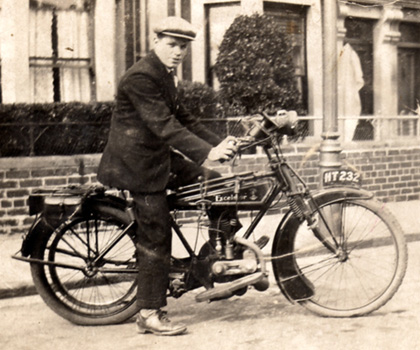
(285, 118)
(231, 142)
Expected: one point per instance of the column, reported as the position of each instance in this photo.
(314, 63)
(386, 36)
(249, 7)
(157, 10)
(198, 46)
(105, 56)
(14, 37)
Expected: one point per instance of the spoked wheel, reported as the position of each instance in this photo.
(365, 270)
(82, 283)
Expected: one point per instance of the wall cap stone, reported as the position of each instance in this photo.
(49, 161)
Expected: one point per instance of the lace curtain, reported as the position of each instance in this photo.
(60, 51)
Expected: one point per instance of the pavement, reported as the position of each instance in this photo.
(16, 280)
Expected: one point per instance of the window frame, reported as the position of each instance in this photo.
(56, 62)
(299, 12)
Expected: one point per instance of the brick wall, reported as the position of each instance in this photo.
(393, 174)
(20, 176)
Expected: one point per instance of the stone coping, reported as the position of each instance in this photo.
(49, 161)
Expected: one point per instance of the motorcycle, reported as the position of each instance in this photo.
(336, 251)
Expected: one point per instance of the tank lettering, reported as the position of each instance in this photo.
(230, 197)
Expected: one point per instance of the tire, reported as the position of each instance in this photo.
(369, 267)
(83, 295)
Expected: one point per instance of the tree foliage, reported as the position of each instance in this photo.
(255, 66)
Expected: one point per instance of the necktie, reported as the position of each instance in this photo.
(174, 77)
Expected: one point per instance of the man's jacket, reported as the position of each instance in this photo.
(147, 122)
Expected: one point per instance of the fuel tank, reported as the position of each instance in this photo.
(244, 191)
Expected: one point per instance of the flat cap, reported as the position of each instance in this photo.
(177, 27)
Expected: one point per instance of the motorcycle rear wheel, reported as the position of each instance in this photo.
(366, 271)
(78, 290)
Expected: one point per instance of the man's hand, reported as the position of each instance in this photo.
(225, 150)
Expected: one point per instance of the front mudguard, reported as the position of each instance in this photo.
(290, 279)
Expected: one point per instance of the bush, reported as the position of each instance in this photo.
(200, 99)
(204, 103)
(53, 128)
(255, 67)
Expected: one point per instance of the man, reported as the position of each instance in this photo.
(147, 124)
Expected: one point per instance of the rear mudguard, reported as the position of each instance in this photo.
(290, 279)
(39, 229)
(42, 228)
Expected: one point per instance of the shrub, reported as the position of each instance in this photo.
(255, 67)
(199, 99)
(203, 102)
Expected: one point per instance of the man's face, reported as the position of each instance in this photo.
(170, 50)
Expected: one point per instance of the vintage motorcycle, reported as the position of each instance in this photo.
(337, 251)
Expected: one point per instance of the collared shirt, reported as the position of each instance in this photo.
(174, 76)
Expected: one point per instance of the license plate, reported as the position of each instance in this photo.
(341, 177)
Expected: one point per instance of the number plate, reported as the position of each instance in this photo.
(341, 177)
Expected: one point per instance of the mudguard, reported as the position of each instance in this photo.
(45, 224)
(292, 282)
(40, 228)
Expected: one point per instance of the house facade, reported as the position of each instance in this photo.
(76, 50)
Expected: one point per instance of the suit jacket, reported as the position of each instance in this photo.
(146, 123)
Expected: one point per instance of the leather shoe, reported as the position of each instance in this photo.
(156, 322)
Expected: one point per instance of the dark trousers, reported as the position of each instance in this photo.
(154, 234)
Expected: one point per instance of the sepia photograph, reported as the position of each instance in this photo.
(209, 174)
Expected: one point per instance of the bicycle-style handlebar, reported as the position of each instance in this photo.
(264, 126)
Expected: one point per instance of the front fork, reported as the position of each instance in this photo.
(305, 208)
(316, 220)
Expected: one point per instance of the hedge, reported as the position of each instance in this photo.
(53, 128)
(80, 128)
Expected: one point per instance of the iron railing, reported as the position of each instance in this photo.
(19, 139)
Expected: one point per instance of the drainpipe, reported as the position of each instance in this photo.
(330, 146)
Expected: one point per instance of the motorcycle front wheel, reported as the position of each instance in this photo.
(365, 270)
(77, 285)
